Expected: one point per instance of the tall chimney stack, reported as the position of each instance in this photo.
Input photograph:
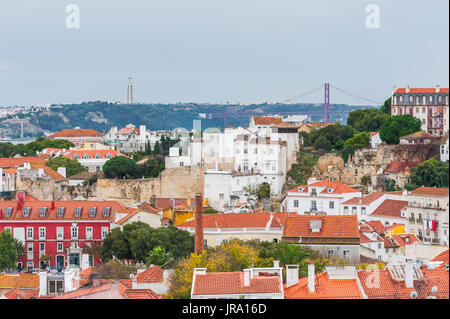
(199, 244)
(311, 278)
(409, 274)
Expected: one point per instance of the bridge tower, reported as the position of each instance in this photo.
(326, 104)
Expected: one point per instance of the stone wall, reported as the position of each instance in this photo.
(180, 182)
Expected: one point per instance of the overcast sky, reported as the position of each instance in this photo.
(218, 50)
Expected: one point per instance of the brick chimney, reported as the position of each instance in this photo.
(199, 244)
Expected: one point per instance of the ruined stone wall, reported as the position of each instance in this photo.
(180, 182)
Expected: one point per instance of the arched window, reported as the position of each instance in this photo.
(108, 155)
(86, 156)
(97, 156)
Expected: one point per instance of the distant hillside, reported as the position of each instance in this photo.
(102, 115)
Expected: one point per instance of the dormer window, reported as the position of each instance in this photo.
(60, 211)
(86, 156)
(43, 211)
(108, 155)
(78, 211)
(92, 211)
(98, 156)
(8, 211)
(26, 211)
(76, 156)
(300, 189)
(330, 190)
(106, 211)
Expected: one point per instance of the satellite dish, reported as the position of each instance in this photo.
(413, 294)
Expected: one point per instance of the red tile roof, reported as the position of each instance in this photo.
(19, 161)
(20, 280)
(49, 172)
(85, 291)
(52, 206)
(396, 166)
(18, 293)
(442, 257)
(76, 133)
(431, 191)
(338, 188)
(403, 240)
(239, 220)
(373, 134)
(153, 274)
(390, 208)
(420, 90)
(325, 288)
(333, 226)
(267, 120)
(220, 283)
(141, 294)
(379, 284)
(376, 225)
(365, 200)
(146, 208)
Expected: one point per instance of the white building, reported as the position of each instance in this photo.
(443, 148)
(375, 139)
(318, 197)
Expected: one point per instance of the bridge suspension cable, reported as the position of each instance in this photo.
(356, 96)
(299, 96)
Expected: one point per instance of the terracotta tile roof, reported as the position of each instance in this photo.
(153, 274)
(365, 200)
(284, 125)
(420, 135)
(49, 172)
(76, 133)
(19, 161)
(376, 225)
(85, 291)
(388, 288)
(239, 220)
(336, 187)
(363, 238)
(9, 171)
(141, 294)
(398, 166)
(267, 120)
(146, 208)
(390, 208)
(325, 288)
(84, 276)
(52, 206)
(430, 191)
(442, 257)
(389, 242)
(373, 134)
(333, 226)
(19, 280)
(420, 90)
(223, 283)
(402, 239)
(18, 293)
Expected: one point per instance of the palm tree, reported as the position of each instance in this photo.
(289, 254)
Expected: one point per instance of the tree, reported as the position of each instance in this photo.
(119, 167)
(333, 133)
(257, 191)
(72, 165)
(431, 173)
(390, 185)
(386, 107)
(323, 144)
(366, 120)
(158, 256)
(399, 125)
(289, 254)
(157, 148)
(365, 179)
(8, 251)
(347, 152)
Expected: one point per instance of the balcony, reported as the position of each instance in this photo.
(435, 241)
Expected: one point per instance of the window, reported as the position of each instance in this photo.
(41, 232)
(274, 167)
(86, 156)
(8, 211)
(346, 253)
(59, 233)
(181, 164)
(30, 233)
(313, 205)
(98, 156)
(104, 232)
(76, 156)
(345, 209)
(88, 232)
(55, 286)
(42, 248)
(42, 211)
(275, 240)
(363, 210)
(108, 155)
(379, 245)
(106, 211)
(74, 232)
(331, 204)
(330, 253)
(92, 211)
(353, 210)
(313, 192)
(221, 196)
(78, 211)
(26, 211)
(295, 203)
(60, 211)
(97, 168)
(30, 249)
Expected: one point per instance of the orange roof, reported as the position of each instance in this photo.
(239, 220)
(388, 288)
(267, 120)
(442, 257)
(77, 133)
(153, 274)
(396, 166)
(84, 291)
(284, 125)
(19, 280)
(365, 200)
(223, 283)
(376, 225)
(336, 187)
(373, 134)
(141, 294)
(18, 293)
(52, 206)
(325, 288)
(19, 161)
(391, 208)
(9, 171)
(420, 90)
(333, 226)
(48, 171)
(403, 240)
(430, 191)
